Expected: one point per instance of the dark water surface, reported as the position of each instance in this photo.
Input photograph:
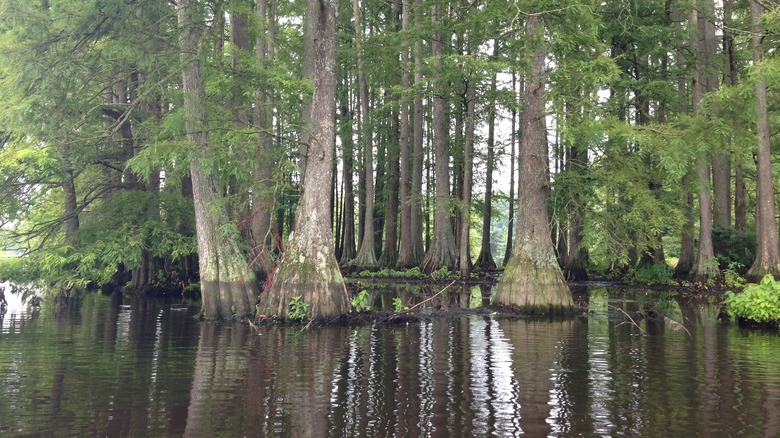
(106, 367)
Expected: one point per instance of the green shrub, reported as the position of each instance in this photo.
(757, 302)
(392, 273)
(298, 309)
(660, 273)
(361, 301)
(733, 246)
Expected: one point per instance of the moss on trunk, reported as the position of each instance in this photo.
(533, 285)
(311, 273)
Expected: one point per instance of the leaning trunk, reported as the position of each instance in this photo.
(532, 280)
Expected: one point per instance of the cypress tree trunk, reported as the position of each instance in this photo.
(262, 201)
(406, 246)
(721, 160)
(574, 268)
(485, 260)
(767, 252)
(71, 212)
(687, 248)
(441, 252)
(511, 214)
(348, 250)
(390, 248)
(227, 286)
(740, 204)
(308, 268)
(464, 250)
(705, 266)
(418, 154)
(366, 256)
(532, 280)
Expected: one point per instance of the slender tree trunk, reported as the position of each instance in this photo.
(464, 250)
(767, 251)
(532, 279)
(576, 259)
(406, 247)
(227, 286)
(687, 247)
(441, 252)
(485, 260)
(308, 269)
(511, 214)
(71, 203)
(390, 248)
(418, 153)
(740, 203)
(721, 160)
(348, 250)
(262, 198)
(366, 256)
(705, 266)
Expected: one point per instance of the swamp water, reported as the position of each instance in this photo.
(108, 367)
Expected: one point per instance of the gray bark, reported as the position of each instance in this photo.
(532, 279)
(767, 252)
(308, 268)
(441, 252)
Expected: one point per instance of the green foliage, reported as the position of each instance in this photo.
(398, 305)
(298, 309)
(757, 302)
(733, 246)
(732, 277)
(361, 301)
(660, 273)
(392, 273)
(443, 273)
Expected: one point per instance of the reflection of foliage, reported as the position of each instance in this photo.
(757, 302)
(475, 297)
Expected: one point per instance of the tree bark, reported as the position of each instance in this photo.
(348, 250)
(767, 253)
(441, 252)
(406, 245)
(390, 248)
(511, 213)
(262, 198)
(464, 249)
(418, 153)
(721, 160)
(227, 286)
(687, 247)
(366, 256)
(532, 279)
(485, 260)
(308, 268)
(705, 266)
